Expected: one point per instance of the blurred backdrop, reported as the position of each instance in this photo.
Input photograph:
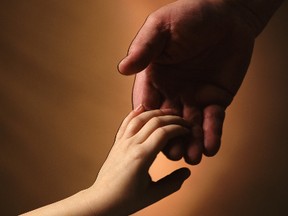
(62, 100)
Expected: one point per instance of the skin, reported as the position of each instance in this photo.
(192, 56)
(123, 185)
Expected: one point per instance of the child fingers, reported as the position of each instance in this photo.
(159, 138)
(127, 120)
(158, 122)
(139, 121)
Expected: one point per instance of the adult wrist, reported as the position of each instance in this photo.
(256, 13)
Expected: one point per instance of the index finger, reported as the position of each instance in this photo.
(160, 137)
(128, 119)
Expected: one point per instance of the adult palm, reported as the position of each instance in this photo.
(191, 56)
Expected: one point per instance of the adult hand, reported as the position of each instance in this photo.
(192, 56)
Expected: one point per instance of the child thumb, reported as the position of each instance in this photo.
(167, 185)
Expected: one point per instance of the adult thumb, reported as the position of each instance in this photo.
(146, 46)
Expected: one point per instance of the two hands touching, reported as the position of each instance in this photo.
(123, 185)
(125, 173)
(192, 56)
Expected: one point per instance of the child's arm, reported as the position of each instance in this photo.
(123, 185)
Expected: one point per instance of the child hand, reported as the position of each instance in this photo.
(123, 185)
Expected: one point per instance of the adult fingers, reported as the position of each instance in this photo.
(194, 148)
(212, 125)
(145, 93)
(174, 149)
(148, 44)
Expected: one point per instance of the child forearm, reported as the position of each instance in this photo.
(77, 204)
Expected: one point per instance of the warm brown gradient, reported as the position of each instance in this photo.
(61, 101)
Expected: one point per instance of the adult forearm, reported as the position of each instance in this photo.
(259, 11)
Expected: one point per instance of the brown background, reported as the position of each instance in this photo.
(61, 101)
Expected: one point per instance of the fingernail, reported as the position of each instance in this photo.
(138, 108)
